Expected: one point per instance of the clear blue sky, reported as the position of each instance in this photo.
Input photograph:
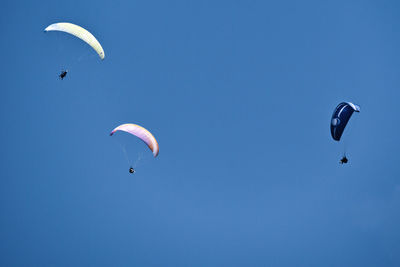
(239, 95)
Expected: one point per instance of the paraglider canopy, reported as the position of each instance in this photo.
(340, 117)
(79, 32)
(141, 133)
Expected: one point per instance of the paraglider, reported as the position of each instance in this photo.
(340, 117)
(63, 74)
(142, 134)
(79, 32)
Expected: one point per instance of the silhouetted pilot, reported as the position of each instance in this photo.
(63, 74)
(344, 160)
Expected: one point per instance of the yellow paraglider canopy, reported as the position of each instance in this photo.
(79, 32)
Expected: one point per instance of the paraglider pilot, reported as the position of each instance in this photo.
(131, 170)
(343, 160)
(63, 74)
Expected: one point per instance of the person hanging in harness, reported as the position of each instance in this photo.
(344, 160)
(131, 170)
(63, 74)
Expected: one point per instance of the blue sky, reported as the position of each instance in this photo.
(239, 95)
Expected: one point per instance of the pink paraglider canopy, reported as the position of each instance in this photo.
(141, 133)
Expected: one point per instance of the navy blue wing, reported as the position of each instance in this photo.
(341, 117)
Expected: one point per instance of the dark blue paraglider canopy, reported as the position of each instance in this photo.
(341, 117)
